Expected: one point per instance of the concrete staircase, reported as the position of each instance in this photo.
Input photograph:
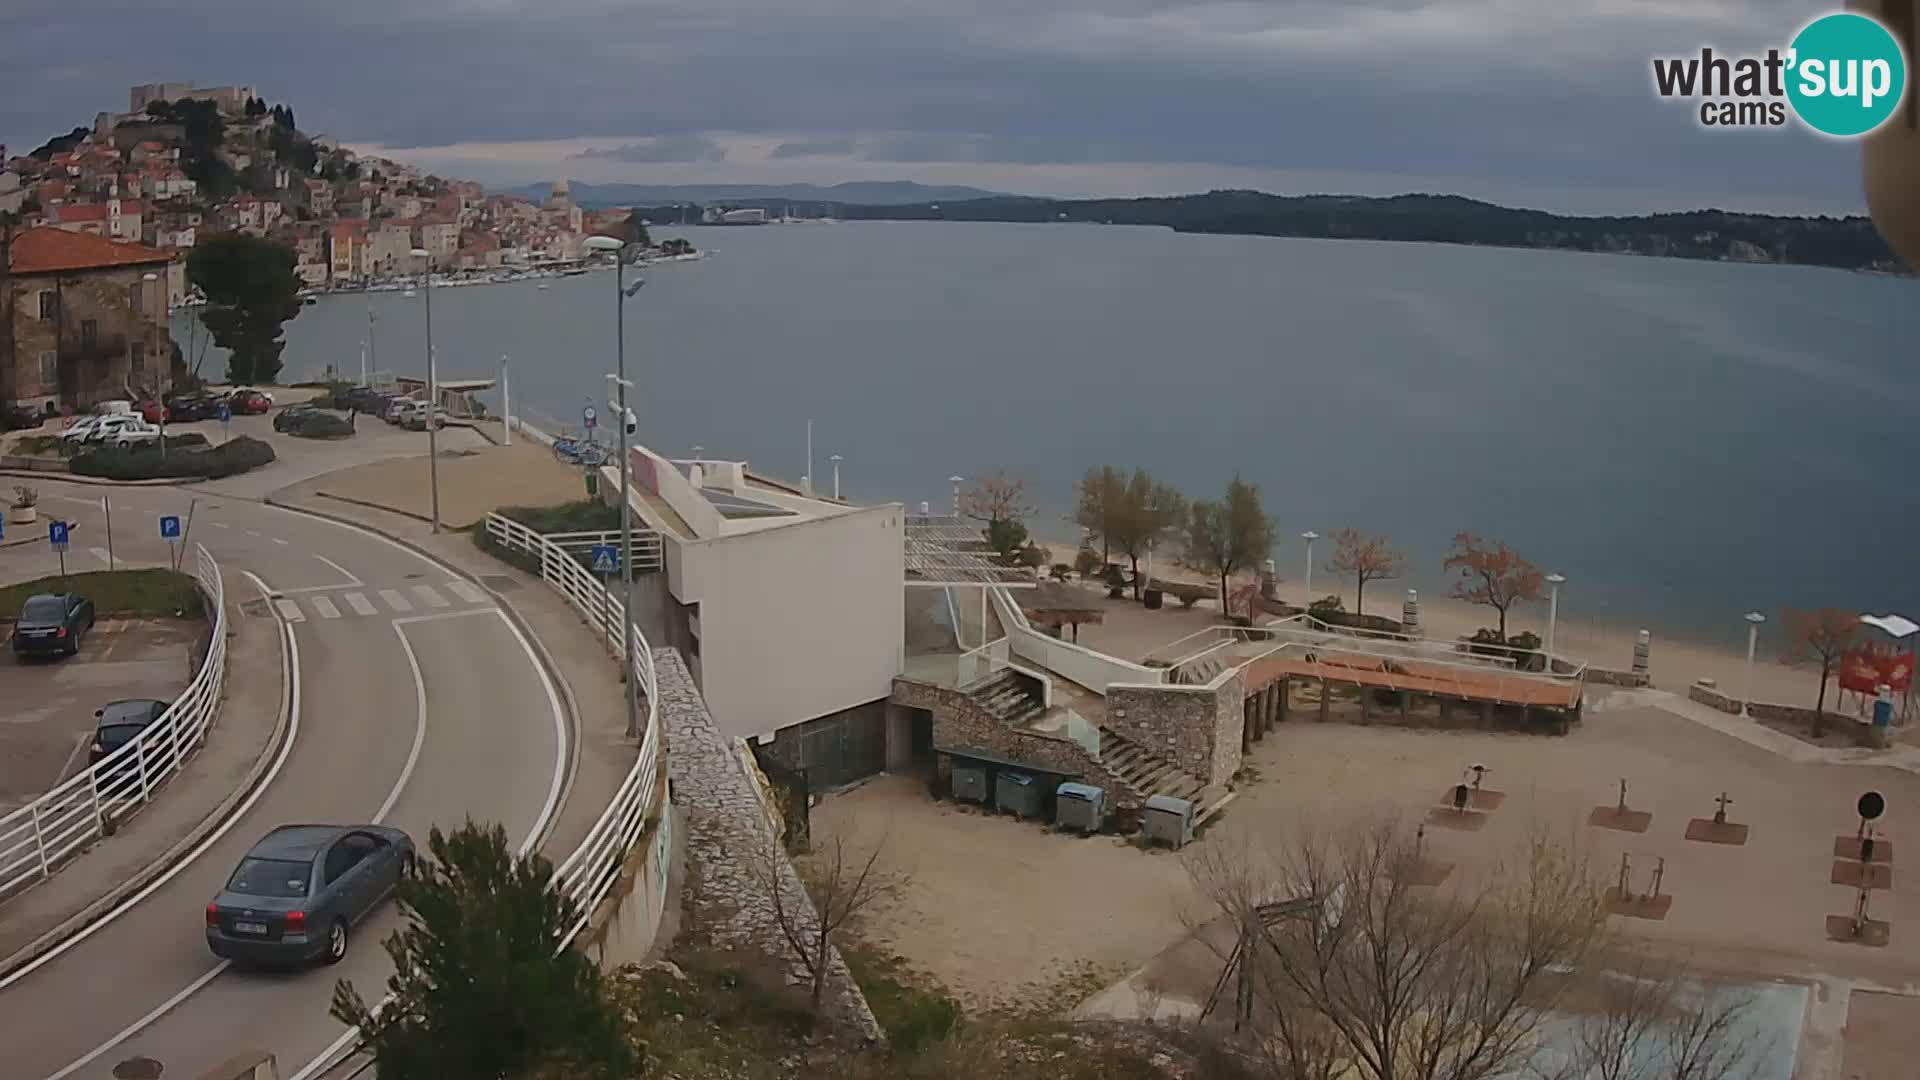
(1202, 671)
(1149, 774)
(1007, 697)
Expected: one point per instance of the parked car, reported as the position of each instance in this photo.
(117, 722)
(134, 432)
(249, 402)
(398, 407)
(416, 418)
(112, 408)
(51, 624)
(99, 429)
(298, 892)
(19, 418)
(189, 407)
(154, 412)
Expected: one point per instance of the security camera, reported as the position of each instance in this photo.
(633, 424)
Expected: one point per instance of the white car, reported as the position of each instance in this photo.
(82, 429)
(135, 432)
(95, 429)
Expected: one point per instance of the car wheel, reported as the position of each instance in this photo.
(336, 943)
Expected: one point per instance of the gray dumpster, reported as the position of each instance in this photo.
(1016, 792)
(1079, 806)
(970, 783)
(1168, 820)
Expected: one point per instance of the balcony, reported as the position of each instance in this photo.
(1890, 157)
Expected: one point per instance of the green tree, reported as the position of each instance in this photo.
(634, 231)
(1006, 536)
(1229, 534)
(1140, 518)
(251, 292)
(1097, 507)
(481, 985)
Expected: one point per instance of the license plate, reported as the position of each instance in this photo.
(249, 928)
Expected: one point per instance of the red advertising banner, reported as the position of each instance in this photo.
(1866, 669)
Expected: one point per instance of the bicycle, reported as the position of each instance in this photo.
(578, 452)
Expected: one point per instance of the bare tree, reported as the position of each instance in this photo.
(1492, 574)
(812, 902)
(1650, 1019)
(1824, 636)
(1364, 558)
(996, 497)
(1374, 976)
(1097, 506)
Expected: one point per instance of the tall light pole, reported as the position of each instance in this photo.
(620, 295)
(956, 481)
(506, 405)
(433, 395)
(1310, 536)
(1553, 613)
(836, 459)
(809, 476)
(1754, 619)
(373, 360)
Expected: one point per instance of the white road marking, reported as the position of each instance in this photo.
(289, 610)
(395, 600)
(255, 533)
(324, 606)
(466, 591)
(429, 597)
(419, 726)
(137, 1026)
(101, 554)
(359, 603)
(279, 541)
(561, 767)
(218, 524)
(95, 503)
(344, 572)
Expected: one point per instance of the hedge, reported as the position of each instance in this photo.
(234, 456)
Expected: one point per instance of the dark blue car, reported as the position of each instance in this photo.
(52, 624)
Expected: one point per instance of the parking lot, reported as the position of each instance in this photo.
(48, 717)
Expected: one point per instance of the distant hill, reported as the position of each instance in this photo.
(864, 192)
(1849, 243)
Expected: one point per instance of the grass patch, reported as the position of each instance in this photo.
(148, 594)
(913, 1018)
(724, 1014)
(584, 515)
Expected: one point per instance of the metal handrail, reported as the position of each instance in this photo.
(588, 874)
(37, 837)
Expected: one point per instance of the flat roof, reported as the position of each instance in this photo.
(952, 550)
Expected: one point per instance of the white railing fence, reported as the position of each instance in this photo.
(647, 546)
(588, 874)
(37, 837)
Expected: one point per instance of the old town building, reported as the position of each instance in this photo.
(83, 318)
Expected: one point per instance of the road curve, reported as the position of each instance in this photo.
(419, 705)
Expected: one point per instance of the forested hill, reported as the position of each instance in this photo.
(1848, 243)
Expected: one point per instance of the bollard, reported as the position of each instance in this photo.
(1410, 613)
(1268, 581)
(1641, 645)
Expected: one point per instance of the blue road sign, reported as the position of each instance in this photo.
(57, 534)
(223, 413)
(170, 528)
(605, 559)
(589, 417)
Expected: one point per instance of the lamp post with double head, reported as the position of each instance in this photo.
(1754, 619)
(1309, 536)
(1554, 581)
(621, 293)
(433, 390)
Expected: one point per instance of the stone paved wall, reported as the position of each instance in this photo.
(1605, 677)
(960, 723)
(1197, 728)
(726, 821)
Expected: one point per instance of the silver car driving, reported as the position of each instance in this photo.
(296, 895)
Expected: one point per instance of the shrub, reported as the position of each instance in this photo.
(1086, 561)
(1486, 641)
(25, 495)
(230, 458)
(1327, 605)
(1061, 570)
(1033, 556)
(314, 424)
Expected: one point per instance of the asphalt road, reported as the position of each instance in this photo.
(419, 705)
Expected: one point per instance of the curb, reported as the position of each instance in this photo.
(92, 912)
(75, 478)
(421, 518)
(568, 701)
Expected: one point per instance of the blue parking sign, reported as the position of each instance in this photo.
(170, 528)
(224, 413)
(605, 559)
(57, 534)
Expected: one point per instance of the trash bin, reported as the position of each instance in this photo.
(969, 783)
(1168, 820)
(1154, 598)
(1079, 806)
(1017, 793)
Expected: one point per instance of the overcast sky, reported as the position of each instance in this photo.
(1544, 103)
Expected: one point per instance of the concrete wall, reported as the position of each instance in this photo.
(626, 926)
(959, 723)
(1197, 728)
(798, 621)
(1863, 734)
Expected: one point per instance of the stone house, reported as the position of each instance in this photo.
(81, 316)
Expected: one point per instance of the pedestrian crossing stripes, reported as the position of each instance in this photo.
(348, 604)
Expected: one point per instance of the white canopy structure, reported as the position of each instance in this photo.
(1899, 626)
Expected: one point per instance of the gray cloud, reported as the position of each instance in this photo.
(1533, 94)
(830, 146)
(666, 148)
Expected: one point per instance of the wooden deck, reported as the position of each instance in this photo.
(1435, 680)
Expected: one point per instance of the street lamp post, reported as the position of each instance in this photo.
(836, 459)
(1754, 619)
(506, 405)
(1310, 536)
(433, 395)
(956, 481)
(620, 296)
(1553, 612)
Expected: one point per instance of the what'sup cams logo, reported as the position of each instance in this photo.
(1843, 75)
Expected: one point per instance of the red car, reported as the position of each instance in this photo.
(249, 402)
(153, 412)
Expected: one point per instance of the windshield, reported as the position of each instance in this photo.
(127, 712)
(43, 609)
(114, 736)
(270, 877)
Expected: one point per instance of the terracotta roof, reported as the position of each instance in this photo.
(82, 212)
(48, 250)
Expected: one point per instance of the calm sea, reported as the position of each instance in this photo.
(1685, 441)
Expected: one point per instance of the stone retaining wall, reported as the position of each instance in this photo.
(960, 723)
(1197, 728)
(1633, 679)
(728, 824)
(1864, 734)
